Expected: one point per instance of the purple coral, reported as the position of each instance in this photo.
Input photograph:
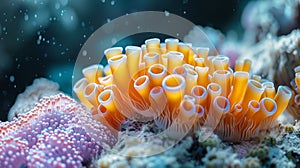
(58, 132)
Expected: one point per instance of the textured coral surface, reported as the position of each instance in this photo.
(57, 132)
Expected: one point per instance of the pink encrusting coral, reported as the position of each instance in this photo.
(58, 132)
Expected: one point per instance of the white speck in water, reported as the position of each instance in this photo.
(167, 13)
(59, 74)
(113, 40)
(108, 20)
(112, 3)
(57, 5)
(84, 53)
(12, 78)
(103, 1)
(184, 12)
(64, 2)
(177, 34)
(35, 16)
(25, 17)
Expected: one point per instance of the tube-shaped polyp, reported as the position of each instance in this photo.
(203, 78)
(191, 80)
(110, 52)
(171, 44)
(200, 94)
(79, 88)
(142, 86)
(254, 91)
(151, 58)
(106, 81)
(238, 91)
(174, 59)
(156, 73)
(119, 68)
(93, 72)
(222, 77)
(91, 93)
(133, 54)
(153, 45)
(174, 86)
(282, 99)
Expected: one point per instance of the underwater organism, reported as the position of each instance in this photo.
(181, 89)
(134, 152)
(221, 158)
(261, 152)
(40, 88)
(275, 17)
(251, 162)
(57, 132)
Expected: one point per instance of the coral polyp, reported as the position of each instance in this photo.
(182, 88)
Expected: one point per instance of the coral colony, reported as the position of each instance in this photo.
(169, 87)
(57, 132)
(182, 88)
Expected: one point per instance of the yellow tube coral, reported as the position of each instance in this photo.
(180, 70)
(119, 68)
(240, 83)
(220, 62)
(247, 65)
(110, 52)
(163, 49)
(199, 62)
(153, 45)
(200, 94)
(79, 88)
(185, 50)
(91, 93)
(254, 91)
(238, 65)
(106, 98)
(158, 100)
(269, 89)
(142, 86)
(175, 59)
(282, 99)
(151, 58)
(156, 73)
(202, 52)
(253, 107)
(222, 77)
(213, 90)
(268, 108)
(191, 81)
(203, 79)
(171, 44)
(107, 70)
(93, 72)
(106, 81)
(220, 106)
(174, 86)
(133, 54)
(181, 87)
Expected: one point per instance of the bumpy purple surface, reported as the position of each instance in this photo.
(58, 132)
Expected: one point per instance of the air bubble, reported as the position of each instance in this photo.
(84, 53)
(12, 78)
(167, 13)
(26, 17)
